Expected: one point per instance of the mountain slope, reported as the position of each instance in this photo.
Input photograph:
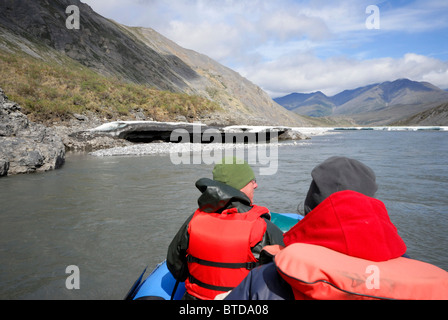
(100, 44)
(437, 116)
(387, 94)
(134, 55)
(217, 82)
(378, 104)
(315, 104)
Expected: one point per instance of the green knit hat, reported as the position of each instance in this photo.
(233, 172)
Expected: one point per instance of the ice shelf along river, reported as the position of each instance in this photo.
(112, 213)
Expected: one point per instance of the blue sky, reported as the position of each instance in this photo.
(287, 46)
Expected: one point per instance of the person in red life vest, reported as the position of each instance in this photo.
(345, 247)
(221, 242)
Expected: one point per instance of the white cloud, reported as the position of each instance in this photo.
(307, 73)
(285, 25)
(218, 41)
(418, 16)
(296, 46)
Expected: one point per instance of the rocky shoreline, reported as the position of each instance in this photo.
(27, 147)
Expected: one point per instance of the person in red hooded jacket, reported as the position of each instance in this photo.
(344, 227)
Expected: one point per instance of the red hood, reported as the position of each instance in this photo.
(351, 223)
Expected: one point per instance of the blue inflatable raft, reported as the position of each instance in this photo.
(161, 285)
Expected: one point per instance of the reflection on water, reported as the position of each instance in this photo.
(113, 216)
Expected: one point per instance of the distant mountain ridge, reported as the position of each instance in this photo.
(378, 103)
(136, 55)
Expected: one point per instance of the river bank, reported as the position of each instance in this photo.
(27, 147)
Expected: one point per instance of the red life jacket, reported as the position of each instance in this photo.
(318, 273)
(219, 250)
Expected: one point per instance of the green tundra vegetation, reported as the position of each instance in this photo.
(51, 92)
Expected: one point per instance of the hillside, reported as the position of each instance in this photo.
(217, 82)
(315, 104)
(34, 33)
(53, 93)
(376, 104)
(437, 116)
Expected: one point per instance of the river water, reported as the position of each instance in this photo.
(112, 216)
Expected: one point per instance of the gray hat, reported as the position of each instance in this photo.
(338, 174)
